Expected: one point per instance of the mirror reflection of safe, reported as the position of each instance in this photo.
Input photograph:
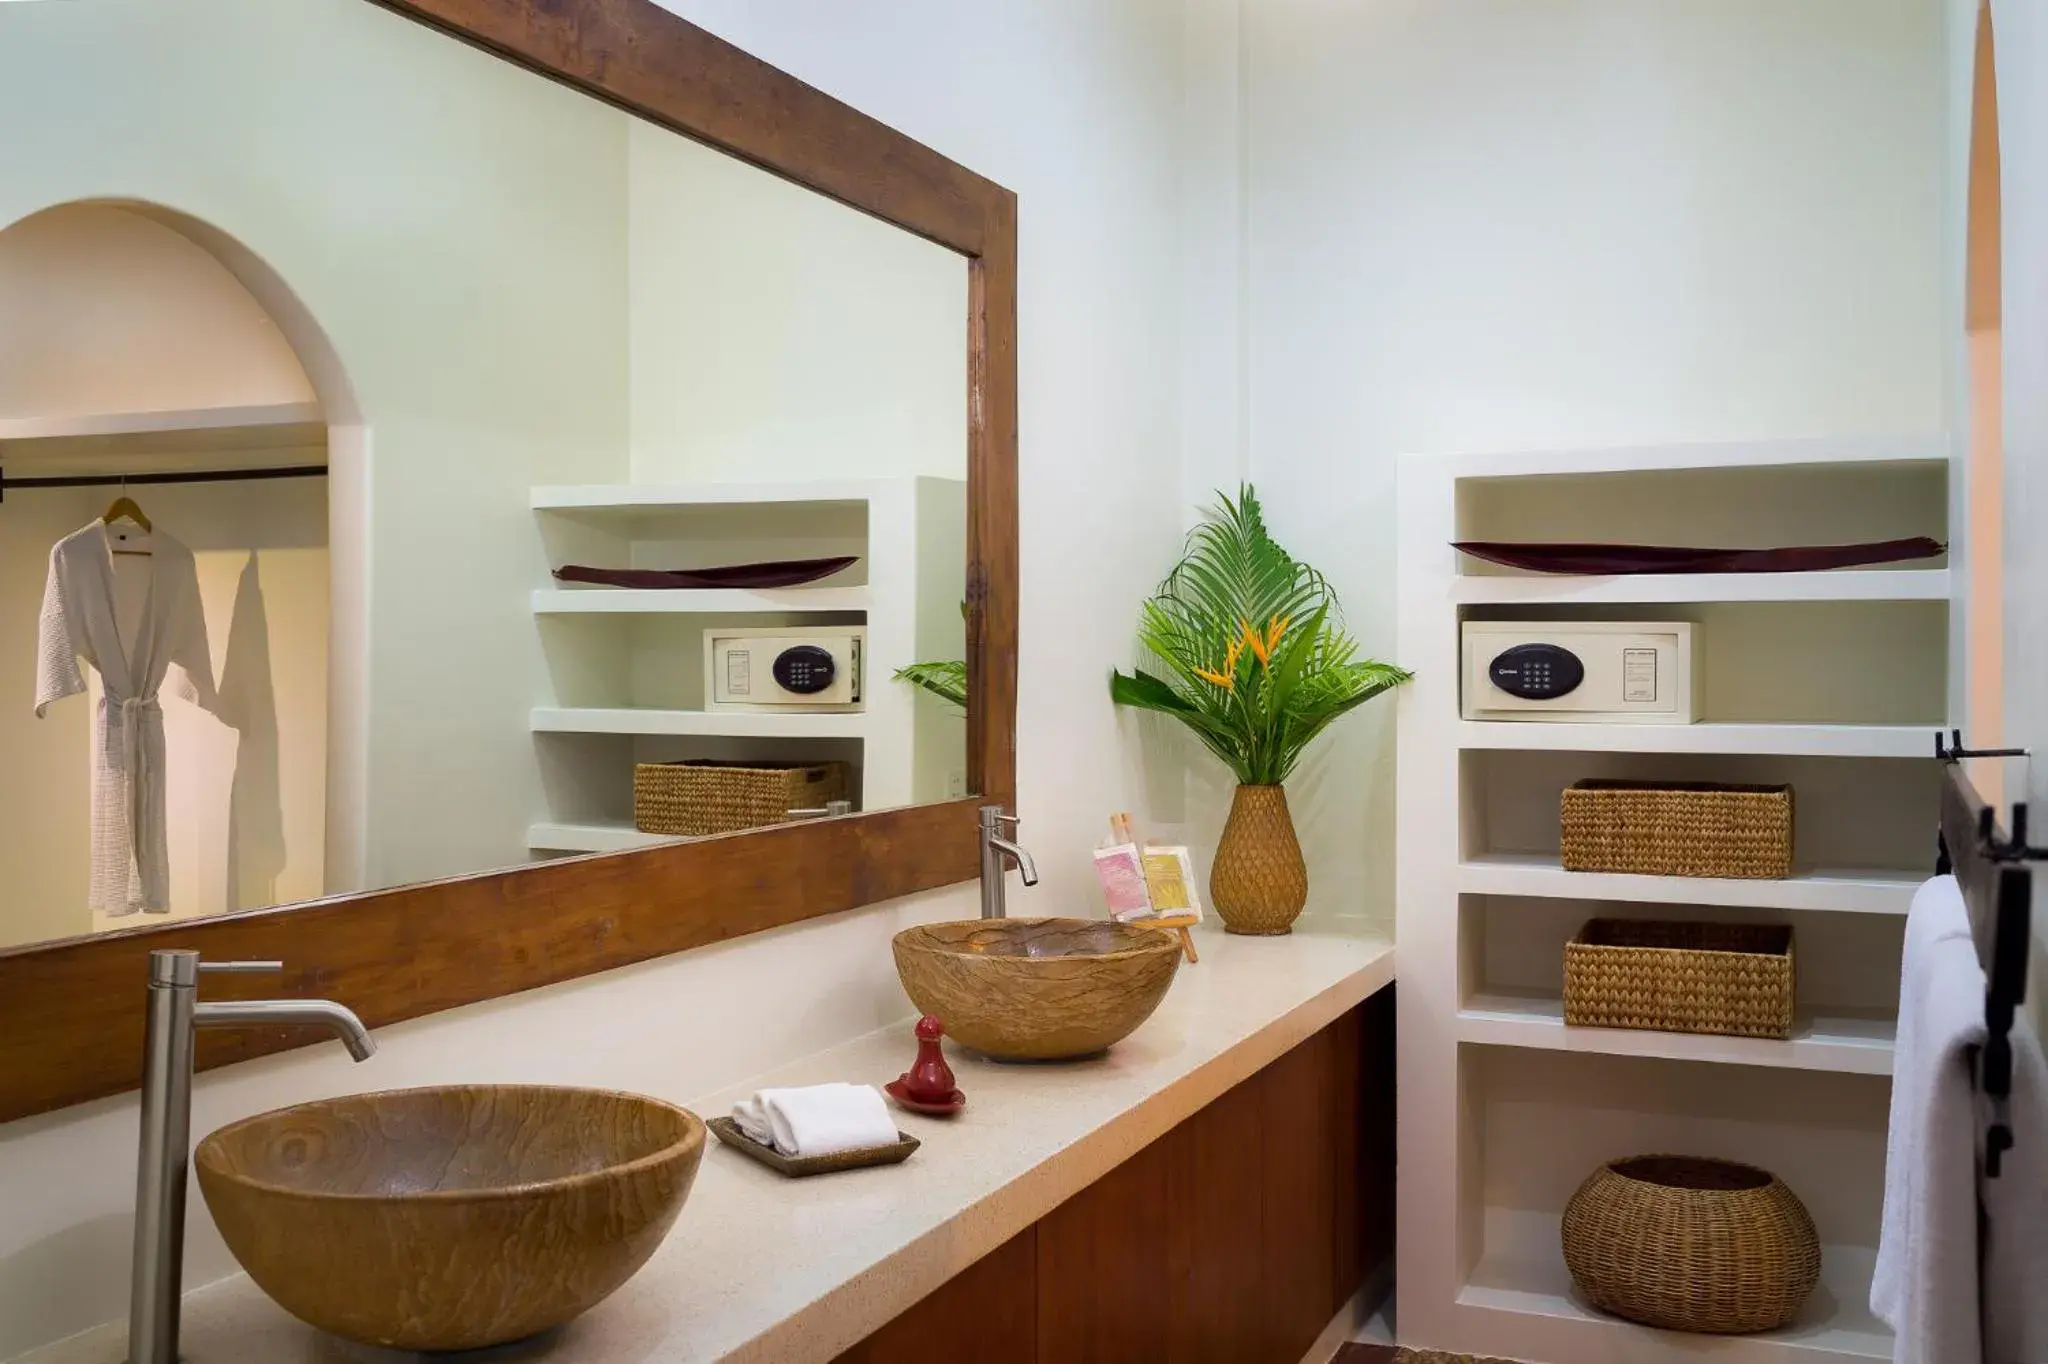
(372, 370)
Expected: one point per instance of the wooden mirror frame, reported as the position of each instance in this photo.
(71, 1012)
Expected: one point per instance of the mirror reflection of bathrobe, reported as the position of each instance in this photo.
(81, 621)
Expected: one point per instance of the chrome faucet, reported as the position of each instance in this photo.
(997, 853)
(166, 1147)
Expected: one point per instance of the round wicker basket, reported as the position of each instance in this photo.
(1691, 1244)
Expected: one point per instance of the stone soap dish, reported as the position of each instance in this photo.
(798, 1167)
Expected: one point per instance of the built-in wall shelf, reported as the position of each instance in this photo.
(263, 426)
(1850, 1044)
(1504, 1110)
(1780, 740)
(735, 723)
(601, 836)
(1922, 584)
(641, 498)
(706, 602)
(1541, 875)
(1837, 1329)
(1931, 448)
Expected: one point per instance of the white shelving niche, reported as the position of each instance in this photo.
(1833, 682)
(625, 667)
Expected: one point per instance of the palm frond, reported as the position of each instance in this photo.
(1256, 658)
(945, 679)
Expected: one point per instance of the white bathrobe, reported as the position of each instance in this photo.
(130, 854)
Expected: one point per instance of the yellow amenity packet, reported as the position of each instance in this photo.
(1170, 881)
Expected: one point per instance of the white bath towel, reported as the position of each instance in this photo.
(817, 1120)
(1925, 1282)
(2016, 1210)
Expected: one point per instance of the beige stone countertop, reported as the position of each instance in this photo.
(766, 1270)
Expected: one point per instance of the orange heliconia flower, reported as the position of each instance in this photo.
(1227, 677)
(1264, 645)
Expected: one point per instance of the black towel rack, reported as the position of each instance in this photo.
(167, 476)
(1997, 886)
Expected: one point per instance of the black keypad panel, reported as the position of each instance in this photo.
(1537, 672)
(805, 670)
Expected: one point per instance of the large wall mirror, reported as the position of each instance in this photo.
(467, 522)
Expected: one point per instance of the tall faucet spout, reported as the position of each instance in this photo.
(997, 853)
(338, 1019)
(174, 1015)
(1027, 870)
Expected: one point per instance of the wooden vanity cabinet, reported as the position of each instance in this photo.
(1232, 1239)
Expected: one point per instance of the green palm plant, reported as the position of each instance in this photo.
(943, 678)
(1256, 660)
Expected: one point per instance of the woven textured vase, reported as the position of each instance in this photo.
(1259, 882)
(1691, 1244)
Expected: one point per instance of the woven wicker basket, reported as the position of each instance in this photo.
(1735, 979)
(1691, 1245)
(709, 796)
(1678, 829)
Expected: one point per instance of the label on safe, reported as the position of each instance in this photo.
(739, 672)
(1639, 674)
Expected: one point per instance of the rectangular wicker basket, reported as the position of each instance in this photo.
(713, 796)
(1678, 829)
(1735, 979)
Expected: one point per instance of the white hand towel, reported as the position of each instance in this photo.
(751, 1117)
(817, 1120)
(1925, 1282)
(2016, 1208)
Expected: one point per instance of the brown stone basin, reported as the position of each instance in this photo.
(454, 1217)
(1037, 989)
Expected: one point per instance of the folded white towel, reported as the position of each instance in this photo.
(1925, 1282)
(2016, 1209)
(817, 1120)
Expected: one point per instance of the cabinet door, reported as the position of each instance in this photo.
(1218, 1254)
(987, 1313)
(1298, 1173)
(1233, 1239)
(1105, 1291)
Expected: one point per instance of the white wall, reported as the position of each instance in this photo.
(779, 335)
(1075, 105)
(2022, 37)
(1526, 224)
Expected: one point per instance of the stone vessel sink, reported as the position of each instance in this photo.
(1037, 989)
(454, 1217)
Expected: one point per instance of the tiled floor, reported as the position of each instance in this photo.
(1387, 1354)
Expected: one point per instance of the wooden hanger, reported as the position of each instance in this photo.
(125, 506)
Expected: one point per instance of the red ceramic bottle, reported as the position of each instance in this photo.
(930, 1080)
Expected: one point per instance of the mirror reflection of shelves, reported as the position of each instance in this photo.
(625, 666)
(701, 602)
(1832, 682)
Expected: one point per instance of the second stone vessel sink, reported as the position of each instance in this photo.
(1037, 989)
(450, 1218)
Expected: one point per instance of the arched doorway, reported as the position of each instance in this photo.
(135, 340)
